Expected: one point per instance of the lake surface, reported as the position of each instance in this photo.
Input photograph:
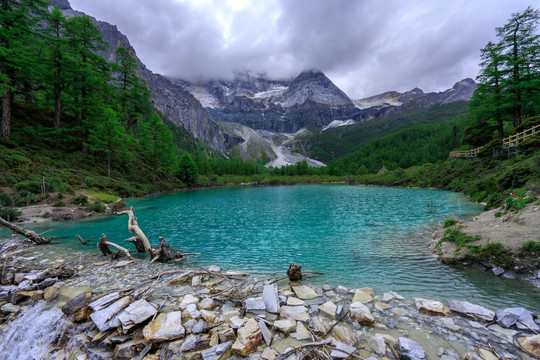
(358, 236)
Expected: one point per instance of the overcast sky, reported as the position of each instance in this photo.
(364, 46)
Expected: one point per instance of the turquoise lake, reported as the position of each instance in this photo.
(358, 236)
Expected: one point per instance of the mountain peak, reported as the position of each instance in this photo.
(314, 85)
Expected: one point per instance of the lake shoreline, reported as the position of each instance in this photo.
(498, 239)
(219, 310)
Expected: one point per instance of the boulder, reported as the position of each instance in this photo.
(285, 326)
(214, 269)
(267, 335)
(411, 350)
(106, 318)
(486, 354)
(10, 308)
(292, 301)
(128, 350)
(255, 305)
(342, 351)
(303, 292)
(188, 300)
(328, 309)
(362, 296)
(301, 332)
(217, 352)
(165, 327)
(431, 307)
(195, 343)
(208, 316)
(345, 335)
(51, 292)
(509, 316)
(271, 298)
(361, 314)
(497, 271)
(473, 311)
(182, 279)
(299, 313)
(79, 301)
(248, 339)
(104, 301)
(531, 344)
(191, 312)
(378, 345)
(269, 354)
(136, 313)
(207, 304)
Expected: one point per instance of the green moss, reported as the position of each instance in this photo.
(103, 197)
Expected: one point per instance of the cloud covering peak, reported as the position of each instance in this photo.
(365, 47)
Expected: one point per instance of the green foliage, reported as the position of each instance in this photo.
(532, 245)
(498, 214)
(81, 200)
(455, 235)
(449, 222)
(103, 197)
(8, 213)
(59, 203)
(508, 88)
(415, 145)
(187, 170)
(332, 144)
(29, 186)
(494, 253)
(97, 206)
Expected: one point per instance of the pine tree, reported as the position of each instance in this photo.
(520, 49)
(157, 143)
(18, 24)
(109, 138)
(90, 87)
(187, 170)
(131, 90)
(57, 65)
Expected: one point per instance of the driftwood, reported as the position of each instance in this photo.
(163, 253)
(302, 347)
(104, 244)
(133, 227)
(294, 272)
(84, 242)
(31, 235)
(135, 240)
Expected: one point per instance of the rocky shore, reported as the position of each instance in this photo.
(498, 243)
(80, 306)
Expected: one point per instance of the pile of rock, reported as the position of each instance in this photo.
(210, 314)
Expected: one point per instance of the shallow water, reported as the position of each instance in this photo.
(358, 236)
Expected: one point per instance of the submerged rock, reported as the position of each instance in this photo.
(473, 311)
(411, 350)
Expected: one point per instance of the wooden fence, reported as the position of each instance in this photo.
(512, 140)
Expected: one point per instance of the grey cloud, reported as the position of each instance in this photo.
(364, 46)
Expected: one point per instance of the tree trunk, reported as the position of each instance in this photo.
(57, 112)
(6, 114)
(516, 91)
(34, 237)
(133, 227)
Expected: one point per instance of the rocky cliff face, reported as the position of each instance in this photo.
(310, 99)
(172, 100)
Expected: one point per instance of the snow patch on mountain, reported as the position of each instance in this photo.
(262, 143)
(339, 123)
(274, 92)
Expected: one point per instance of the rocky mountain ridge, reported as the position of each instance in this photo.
(170, 99)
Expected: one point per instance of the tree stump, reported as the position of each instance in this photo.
(294, 272)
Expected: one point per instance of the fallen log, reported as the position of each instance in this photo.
(294, 272)
(135, 240)
(29, 234)
(104, 244)
(163, 254)
(84, 242)
(133, 227)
